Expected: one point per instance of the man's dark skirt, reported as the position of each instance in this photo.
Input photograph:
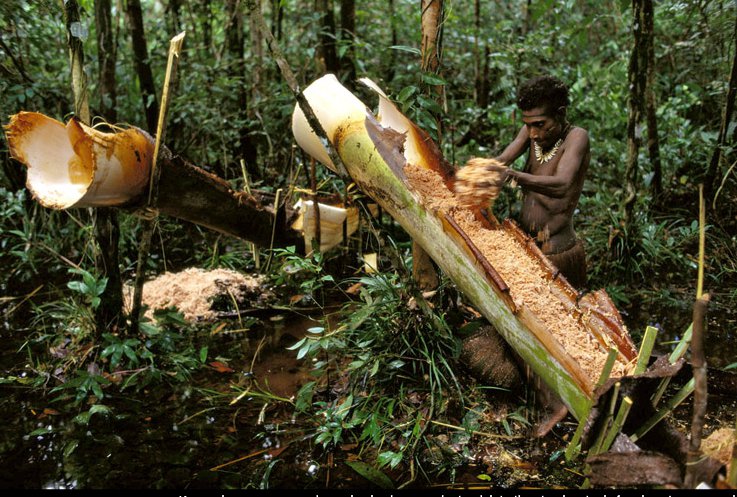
(572, 264)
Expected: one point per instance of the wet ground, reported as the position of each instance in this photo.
(196, 435)
(189, 435)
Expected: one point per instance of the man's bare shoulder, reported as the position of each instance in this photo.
(578, 135)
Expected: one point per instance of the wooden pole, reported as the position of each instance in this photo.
(698, 364)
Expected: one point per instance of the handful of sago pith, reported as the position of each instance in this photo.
(478, 183)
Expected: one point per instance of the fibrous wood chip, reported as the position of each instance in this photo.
(524, 275)
(193, 290)
(719, 445)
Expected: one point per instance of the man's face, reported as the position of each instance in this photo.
(542, 126)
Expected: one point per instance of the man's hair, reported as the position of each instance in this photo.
(543, 91)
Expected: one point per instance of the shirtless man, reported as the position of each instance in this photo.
(553, 177)
(551, 182)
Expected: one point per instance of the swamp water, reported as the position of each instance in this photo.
(188, 435)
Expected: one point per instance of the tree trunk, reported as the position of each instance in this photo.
(237, 71)
(651, 107)
(204, 13)
(106, 55)
(123, 174)
(637, 82)
(76, 62)
(390, 69)
(277, 19)
(327, 56)
(256, 76)
(431, 46)
(423, 270)
(143, 67)
(348, 38)
(109, 314)
(191, 194)
(174, 14)
(431, 52)
(713, 171)
(481, 87)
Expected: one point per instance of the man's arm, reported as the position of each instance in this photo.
(557, 185)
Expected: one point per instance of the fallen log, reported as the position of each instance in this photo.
(74, 165)
(494, 264)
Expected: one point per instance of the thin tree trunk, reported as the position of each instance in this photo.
(348, 38)
(237, 69)
(106, 55)
(143, 66)
(256, 76)
(481, 87)
(76, 61)
(432, 50)
(277, 19)
(390, 72)
(423, 270)
(109, 314)
(526, 18)
(476, 48)
(699, 366)
(204, 13)
(713, 171)
(174, 14)
(651, 107)
(637, 79)
(327, 56)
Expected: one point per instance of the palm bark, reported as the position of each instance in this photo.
(376, 152)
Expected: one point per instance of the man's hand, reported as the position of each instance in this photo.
(479, 181)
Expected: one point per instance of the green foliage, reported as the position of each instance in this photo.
(84, 384)
(115, 348)
(395, 359)
(90, 287)
(306, 275)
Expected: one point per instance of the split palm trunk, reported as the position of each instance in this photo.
(74, 165)
(563, 336)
